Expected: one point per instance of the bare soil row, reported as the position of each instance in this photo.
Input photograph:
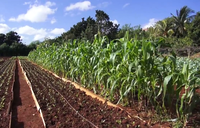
(17, 108)
(61, 103)
(24, 112)
(7, 79)
(65, 106)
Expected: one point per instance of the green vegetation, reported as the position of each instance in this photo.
(180, 32)
(127, 65)
(126, 71)
(6, 78)
(11, 45)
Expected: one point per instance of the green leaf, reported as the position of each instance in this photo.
(165, 84)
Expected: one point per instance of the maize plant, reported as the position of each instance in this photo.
(124, 71)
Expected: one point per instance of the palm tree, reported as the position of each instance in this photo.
(164, 27)
(152, 32)
(183, 16)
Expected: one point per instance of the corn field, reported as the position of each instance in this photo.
(126, 71)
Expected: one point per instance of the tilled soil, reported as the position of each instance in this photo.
(6, 85)
(24, 112)
(64, 106)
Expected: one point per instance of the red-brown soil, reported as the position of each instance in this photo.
(6, 84)
(61, 104)
(24, 113)
(3, 59)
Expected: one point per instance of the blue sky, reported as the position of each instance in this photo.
(40, 19)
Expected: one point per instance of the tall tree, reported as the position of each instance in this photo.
(2, 38)
(11, 45)
(194, 29)
(182, 17)
(34, 44)
(12, 37)
(164, 27)
(101, 20)
(134, 32)
(4, 50)
(90, 30)
(19, 49)
(76, 30)
(152, 32)
(124, 29)
(138, 32)
(105, 26)
(112, 30)
(86, 29)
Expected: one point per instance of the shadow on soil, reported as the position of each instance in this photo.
(196, 113)
(17, 102)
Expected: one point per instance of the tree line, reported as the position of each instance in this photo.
(11, 45)
(180, 30)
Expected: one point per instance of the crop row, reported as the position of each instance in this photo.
(126, 71)
(64, 106)
(1, 61)
(7, 78)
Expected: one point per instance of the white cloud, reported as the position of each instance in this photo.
(53, 21)
(4, 28)
(151, 23)
(115, 21)
(27, 30)
(29, 34)
(1, 19)
(39, 37)
(13, 29)
(125, 5)
(36, 13)
(39, 34)
(82, 6)
(24, 38)
(50, 37)
(57, 31)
